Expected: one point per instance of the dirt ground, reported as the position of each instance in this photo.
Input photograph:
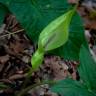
(16, 50)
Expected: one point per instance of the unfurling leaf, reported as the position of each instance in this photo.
(56, 33)
(53, 36)
(37, 59)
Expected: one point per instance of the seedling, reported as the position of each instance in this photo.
(53, 36)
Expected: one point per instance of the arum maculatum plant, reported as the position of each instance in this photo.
(53, 36)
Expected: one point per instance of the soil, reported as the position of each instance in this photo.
(16, 50)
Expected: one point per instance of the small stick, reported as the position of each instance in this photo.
(22, 92)
(18, 31)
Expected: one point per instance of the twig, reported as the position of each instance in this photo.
(17, 76)
(18, 31)
(21, 93)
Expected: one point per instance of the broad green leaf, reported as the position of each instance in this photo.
(71, 49)
(35, 15)
(56, 33)
(3, 12)
(70, 87)
(87, 68)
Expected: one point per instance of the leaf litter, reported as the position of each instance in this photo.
(15, 54)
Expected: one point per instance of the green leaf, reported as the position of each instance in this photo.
(87, 68)
(71, 49)
(70, 87)
(55, 36)
(3, 86)
(3, 12)
(35, 15)
(48, 42)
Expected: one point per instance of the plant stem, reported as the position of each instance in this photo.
(33, 86)
(27, 78)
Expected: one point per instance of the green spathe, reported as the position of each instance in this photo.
(37, 59)
(53, 36)
(56, 33)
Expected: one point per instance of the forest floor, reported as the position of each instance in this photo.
(16, 50)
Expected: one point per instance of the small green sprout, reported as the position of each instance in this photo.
(53, 36)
